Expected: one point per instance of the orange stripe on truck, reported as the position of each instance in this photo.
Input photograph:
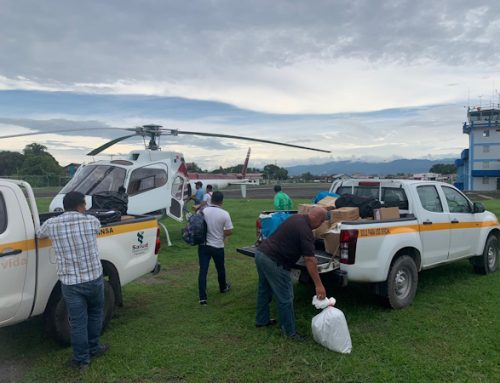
(393, 230)
(107, 231)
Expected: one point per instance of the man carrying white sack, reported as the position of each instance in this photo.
(275, 257)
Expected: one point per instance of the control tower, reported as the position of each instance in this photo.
(479, 165)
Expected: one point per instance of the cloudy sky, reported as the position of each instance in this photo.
(364, 79)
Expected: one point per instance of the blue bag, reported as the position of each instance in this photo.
(324, 194)
(271, 222)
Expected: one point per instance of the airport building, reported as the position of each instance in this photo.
(478, 167)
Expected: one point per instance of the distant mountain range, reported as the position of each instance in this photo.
(368, 168)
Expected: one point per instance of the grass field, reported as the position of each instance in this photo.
(450, 333)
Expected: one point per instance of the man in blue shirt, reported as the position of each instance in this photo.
(198, 195)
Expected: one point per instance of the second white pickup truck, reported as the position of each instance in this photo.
(438, 225)
(28, 281)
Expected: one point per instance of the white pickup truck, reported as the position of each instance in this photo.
(28, 281)
(438, 225)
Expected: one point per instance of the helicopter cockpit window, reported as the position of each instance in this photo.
(146, 178)
(94, 179)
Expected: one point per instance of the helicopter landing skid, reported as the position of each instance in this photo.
(166, 233)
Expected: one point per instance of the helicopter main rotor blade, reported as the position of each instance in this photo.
(108, 144)
(251, 139)
(55, 131)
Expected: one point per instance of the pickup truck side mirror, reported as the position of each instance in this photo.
(478, 207)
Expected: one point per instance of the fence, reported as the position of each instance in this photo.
(45, 181)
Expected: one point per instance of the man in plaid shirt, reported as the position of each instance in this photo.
(74, 240)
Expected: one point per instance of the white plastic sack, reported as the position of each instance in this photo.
(323, 303)
(329, 329)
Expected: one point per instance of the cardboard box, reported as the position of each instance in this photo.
(323, 228)
(386, 213)
(328, 203)
(332, 241)
(305, 207)
(344, 214)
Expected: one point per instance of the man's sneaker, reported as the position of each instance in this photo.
(270, 323)
(103, 348)
(78, 366)
(203, 302)
(297, 337)
(228, 287)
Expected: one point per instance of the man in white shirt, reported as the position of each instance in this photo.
(207, 198)
(219, 227)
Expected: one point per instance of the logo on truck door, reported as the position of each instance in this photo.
(140, 237)
(141, 247)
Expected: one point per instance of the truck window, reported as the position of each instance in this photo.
(3, 214)
(391, 196)
(429, 198)
(457, 203)
(395, 197)
(146, 178)
(362, 191)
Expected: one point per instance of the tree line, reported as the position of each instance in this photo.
(34, 160)
(270, 171)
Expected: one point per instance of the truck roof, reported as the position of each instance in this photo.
(384, 182)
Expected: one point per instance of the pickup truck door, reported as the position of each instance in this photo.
(14, 248)
(433, 225)
(464, 233)
(179, 186)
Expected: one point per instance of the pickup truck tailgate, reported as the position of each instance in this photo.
(322, 258)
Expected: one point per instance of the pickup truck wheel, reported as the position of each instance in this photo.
(109, 304)
(487, 262)
(56, 315)
(402, 282)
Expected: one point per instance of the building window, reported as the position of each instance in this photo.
(486, 133)
(486, 181)
(486, 148)
(486, 164)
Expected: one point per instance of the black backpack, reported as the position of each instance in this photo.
(366, 205)
(195, 232)
(110, 201)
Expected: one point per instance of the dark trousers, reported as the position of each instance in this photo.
(205, 253)
(85, 303)
(274, 280)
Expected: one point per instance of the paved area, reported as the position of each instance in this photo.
(266, 191)
(262, 191)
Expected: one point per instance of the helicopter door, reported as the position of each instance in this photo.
(177, 200)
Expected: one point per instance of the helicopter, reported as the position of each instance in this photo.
(156, 182)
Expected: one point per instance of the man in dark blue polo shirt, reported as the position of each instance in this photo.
(274, 259)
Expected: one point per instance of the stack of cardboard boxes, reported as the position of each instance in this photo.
(329, 231)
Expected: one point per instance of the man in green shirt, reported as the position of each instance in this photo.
(281, 200)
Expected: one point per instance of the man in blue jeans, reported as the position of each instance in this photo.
(74, 239)
(219, 227)
(275, 257)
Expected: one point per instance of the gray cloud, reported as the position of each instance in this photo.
(73, 41)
